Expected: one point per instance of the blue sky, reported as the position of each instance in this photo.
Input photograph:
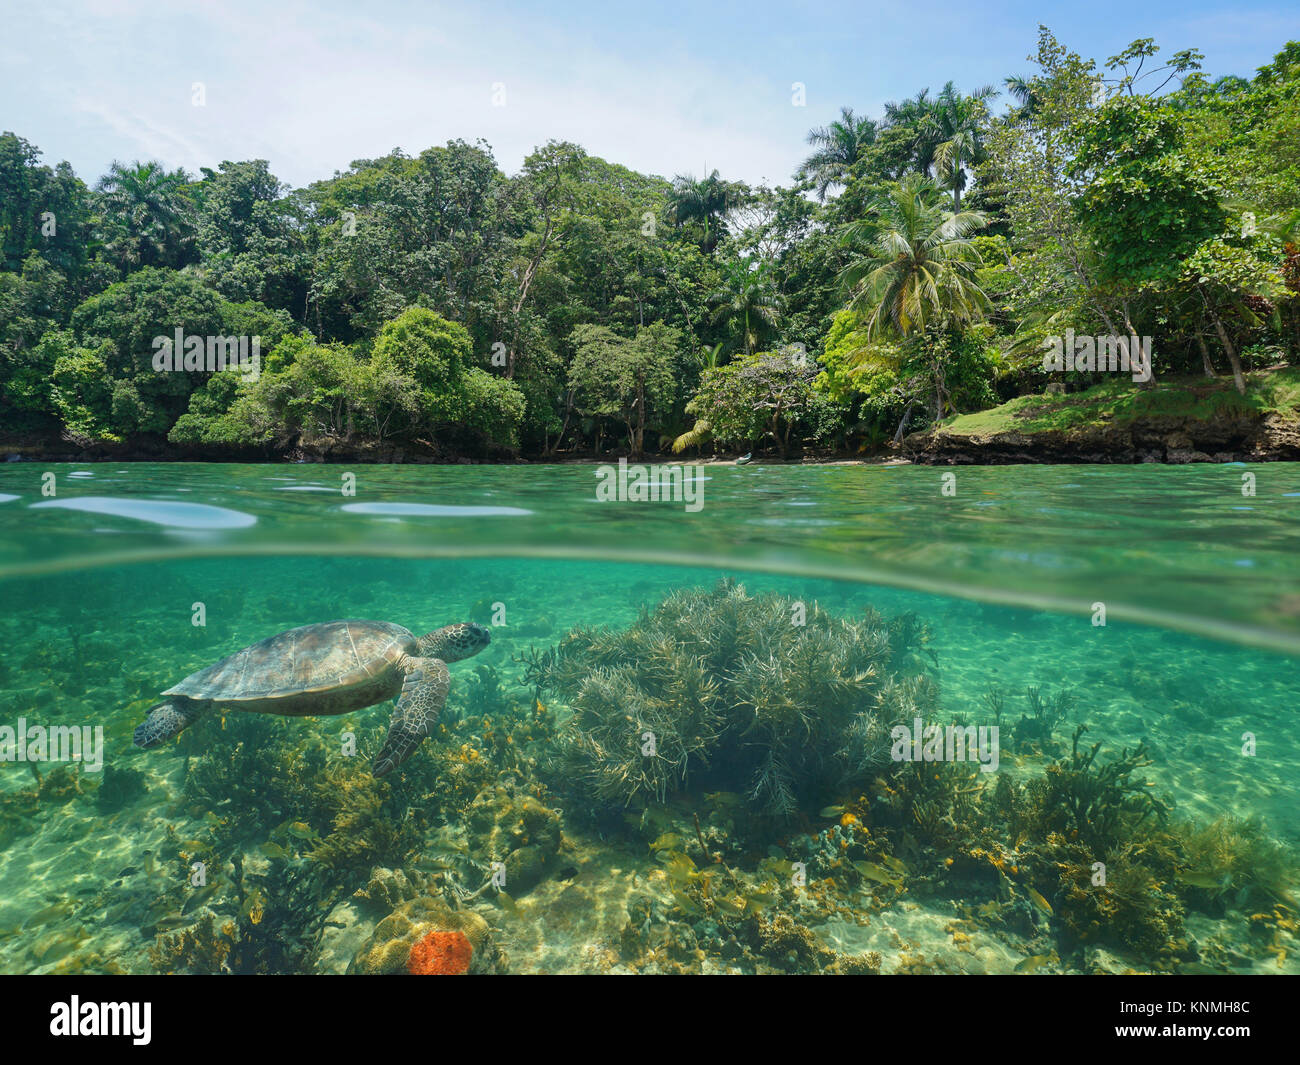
(661, 87)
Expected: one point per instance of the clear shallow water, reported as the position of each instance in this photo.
(1178, 546)
(99, 590)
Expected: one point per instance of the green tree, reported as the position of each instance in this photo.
(435, 356)
(914, 261)
(961, 121)
(633, 381)
(146, 216)
(705, 201)
(763, 396)
(839, 147)
(748, 303)
(248, 234)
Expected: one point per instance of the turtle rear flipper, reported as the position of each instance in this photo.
(423, 692)
(167, 720)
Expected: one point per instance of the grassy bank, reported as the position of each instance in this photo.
(1179, 419)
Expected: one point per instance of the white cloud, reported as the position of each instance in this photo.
(312, 89)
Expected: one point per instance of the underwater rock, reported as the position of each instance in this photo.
(353, 920)
(541, 626)
(388, 889)
(388, 950)
(516, 828)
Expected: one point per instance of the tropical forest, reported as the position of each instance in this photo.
(911, 274)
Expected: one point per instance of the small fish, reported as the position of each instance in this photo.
(48, 914)
(169, 923)
(890, 862)
(302, 830)
(832, 811)
(199, 898)
(687, 904)
(567, 873)
(1030, 964)
(57, 945)
(114, 913)
(507, 903)
(1206, 880)
(732, 904)
(274, 850)
(1038, 900)
(878, 873)
(669, 841)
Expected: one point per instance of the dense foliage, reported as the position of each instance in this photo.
(913, 269)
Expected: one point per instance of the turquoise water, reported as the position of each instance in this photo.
(307, 864)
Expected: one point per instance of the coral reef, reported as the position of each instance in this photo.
(518, 830)
(440, 954)
(1034, 731)
(389, 948)
(763, 695)
(200, 949)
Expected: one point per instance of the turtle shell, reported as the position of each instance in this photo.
(331, 656)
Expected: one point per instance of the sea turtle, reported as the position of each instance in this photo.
(330, 668)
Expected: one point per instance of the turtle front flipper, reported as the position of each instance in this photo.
(167, 720)
(423, 692)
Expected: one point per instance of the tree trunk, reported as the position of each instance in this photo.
(902, 425)
(1238, 378)
(1206, 364)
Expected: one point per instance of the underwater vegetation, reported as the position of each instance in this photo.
(1097, 804)
(1034, 730)
(484, 694)
(290, 827)
(762, 695)
(771, 832)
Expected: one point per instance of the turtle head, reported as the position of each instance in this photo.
(454, 642)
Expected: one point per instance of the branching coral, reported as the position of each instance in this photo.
(1098, 804)
(760, 695)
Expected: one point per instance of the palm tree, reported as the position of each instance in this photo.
(839, 146)
(710, 358)
(918, 267)
(704, 200)
(1023, 91)
(916, 118)
(145, 211)
(748, 302)
(940, 134)
(960, 121)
